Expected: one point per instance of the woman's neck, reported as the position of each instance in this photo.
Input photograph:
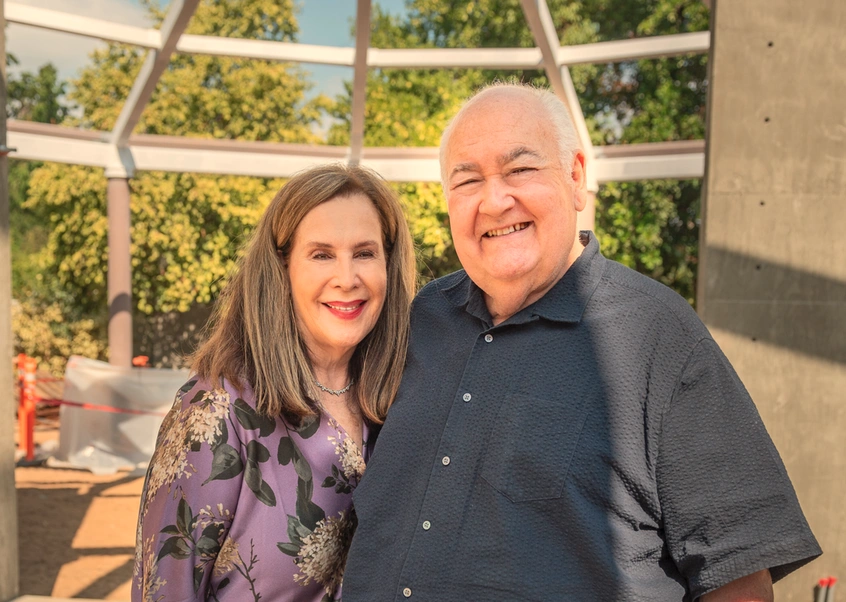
(332, 373)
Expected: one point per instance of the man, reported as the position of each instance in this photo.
(566, 428)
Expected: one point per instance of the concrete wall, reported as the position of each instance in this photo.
(8, 505)
(773, 272)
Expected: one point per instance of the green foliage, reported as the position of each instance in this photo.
(40, 326)
(36, 97)
(651, 226)
(187, 229)
(50, 331)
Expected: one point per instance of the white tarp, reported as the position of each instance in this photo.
(104, 441)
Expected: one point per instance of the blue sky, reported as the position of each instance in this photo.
(323, 22)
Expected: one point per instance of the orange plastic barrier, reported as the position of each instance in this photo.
(26, 405)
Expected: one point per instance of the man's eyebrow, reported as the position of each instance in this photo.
(504, 159)
(463, 168)
(520, 151)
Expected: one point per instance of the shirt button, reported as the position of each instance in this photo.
(488, 338)
(467, 397)
(445, 461)
(407, 592)
(426, 525)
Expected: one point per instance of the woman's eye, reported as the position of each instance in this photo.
(366, 254)
(320, 255)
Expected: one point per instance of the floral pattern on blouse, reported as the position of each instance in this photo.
(240, 507)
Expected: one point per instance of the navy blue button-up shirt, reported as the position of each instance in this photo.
(596, 445)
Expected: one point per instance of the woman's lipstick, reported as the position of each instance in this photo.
(346, 310)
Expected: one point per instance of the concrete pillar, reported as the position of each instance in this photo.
(773, 251)
(120, 273)
(8, 496)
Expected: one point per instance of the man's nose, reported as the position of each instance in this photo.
(496, 197)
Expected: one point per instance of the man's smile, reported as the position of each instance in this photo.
(506, 230)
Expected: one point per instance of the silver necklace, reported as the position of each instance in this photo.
(335, 392)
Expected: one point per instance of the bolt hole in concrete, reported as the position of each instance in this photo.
(770, 44)
(762, 203)
(758, 267)
(766, 119)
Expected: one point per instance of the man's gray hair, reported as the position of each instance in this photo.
(561, 124)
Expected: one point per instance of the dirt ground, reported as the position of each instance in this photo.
(76, 529)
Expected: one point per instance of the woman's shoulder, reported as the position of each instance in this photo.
(200, 388)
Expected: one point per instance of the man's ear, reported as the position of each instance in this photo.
(578, 173)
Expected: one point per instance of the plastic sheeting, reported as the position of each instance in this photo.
(121, 434)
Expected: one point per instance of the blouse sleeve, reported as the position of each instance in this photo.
(189, 499)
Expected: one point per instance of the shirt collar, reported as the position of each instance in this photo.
(564, 302)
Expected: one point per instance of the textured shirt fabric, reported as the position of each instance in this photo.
(239, 507)
(597, 445)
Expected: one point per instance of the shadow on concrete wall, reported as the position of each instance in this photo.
(774, 303)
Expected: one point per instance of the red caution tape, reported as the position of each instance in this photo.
(100, 408)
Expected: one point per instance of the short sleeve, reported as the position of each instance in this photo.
(189, 500)
(727, 504)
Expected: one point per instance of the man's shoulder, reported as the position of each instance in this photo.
(654, 298)
(441, 289)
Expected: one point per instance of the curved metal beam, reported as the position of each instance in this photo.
(384, 58)
(157, 61)
(84, 26)
(359, 92)
(543, 30)
(44, 142)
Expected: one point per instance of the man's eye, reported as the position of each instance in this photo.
(520, 175)
(466, 182)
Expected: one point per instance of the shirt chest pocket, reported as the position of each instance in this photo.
(531, 446)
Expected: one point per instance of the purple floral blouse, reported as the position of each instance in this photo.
(238, 507)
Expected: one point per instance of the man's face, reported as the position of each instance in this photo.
(512, 205)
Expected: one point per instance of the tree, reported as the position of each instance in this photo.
(653, 226)
(30, 97)
(39, 325)
(650, 226)
(37, 97)
(186, 228)
(412, 107)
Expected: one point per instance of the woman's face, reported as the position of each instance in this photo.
(338, 273)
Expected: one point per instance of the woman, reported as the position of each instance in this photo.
(249, 491)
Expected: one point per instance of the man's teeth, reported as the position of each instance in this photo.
(508, 230)
(345, 307)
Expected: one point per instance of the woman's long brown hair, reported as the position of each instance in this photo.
(253, 339)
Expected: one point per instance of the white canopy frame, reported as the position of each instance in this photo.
(120, 153)
(56, 143)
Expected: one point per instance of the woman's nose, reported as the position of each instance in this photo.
(346, 274)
